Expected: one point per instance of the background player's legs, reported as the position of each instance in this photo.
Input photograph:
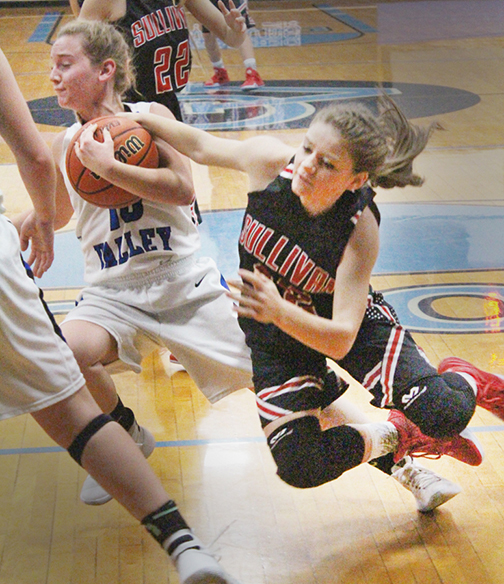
(221, 77)
(110, 456)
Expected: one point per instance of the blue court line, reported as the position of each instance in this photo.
(160, 444)
(345, 18)
(45, 28)
(330, 37)
(178, 443)
(183, 443)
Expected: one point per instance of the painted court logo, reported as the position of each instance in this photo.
(282, 105)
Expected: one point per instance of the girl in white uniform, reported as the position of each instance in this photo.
(38, 368)
(143, 278)
(142, 275)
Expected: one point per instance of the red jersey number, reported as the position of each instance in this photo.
(163, 67)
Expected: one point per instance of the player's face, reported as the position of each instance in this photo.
(323, 169)
(74, 78)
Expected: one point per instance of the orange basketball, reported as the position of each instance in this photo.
(132, 145)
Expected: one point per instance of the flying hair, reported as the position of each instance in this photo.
(383, 144)
(405, 142)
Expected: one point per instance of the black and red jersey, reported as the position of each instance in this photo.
(158, 33)
(298, 251)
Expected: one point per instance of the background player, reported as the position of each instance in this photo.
(163, 61)
(221, 77)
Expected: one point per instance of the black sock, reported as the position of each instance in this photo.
(384, 463)
(164, 523)
(123, 415)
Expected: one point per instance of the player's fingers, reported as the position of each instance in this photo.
(131, 115)
(235, 296)
(107, 136)
(88, 133)
(48, 260)
(248, 277)
(78, 151)
(24, 240)
(235, 284)
(41, 263)
(222, 7)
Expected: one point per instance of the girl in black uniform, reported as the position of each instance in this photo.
(308, 245)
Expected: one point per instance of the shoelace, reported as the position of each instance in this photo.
(490, 400)
(419, 479)
(425, 450)
(422, 454)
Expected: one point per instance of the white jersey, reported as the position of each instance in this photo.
(145, 281)
(120, 245)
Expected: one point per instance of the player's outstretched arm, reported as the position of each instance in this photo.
(36, 168)
(261, 157)
(109, 10)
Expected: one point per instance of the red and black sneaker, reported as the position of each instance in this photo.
(464, 446)
(219, 78)
(490, 393)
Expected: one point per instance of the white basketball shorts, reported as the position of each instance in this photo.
(183, 308)
(37, 368)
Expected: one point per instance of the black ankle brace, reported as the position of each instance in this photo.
(164, 522)
(123, 415)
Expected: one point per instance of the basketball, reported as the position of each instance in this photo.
(133, 144)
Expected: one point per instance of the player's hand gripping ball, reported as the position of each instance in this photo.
(133, 144)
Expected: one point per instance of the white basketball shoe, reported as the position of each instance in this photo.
(197, 565)
(429, 489)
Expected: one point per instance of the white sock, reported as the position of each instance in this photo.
(250, 64)
(183, 540)
(218, 65)
(379, 437)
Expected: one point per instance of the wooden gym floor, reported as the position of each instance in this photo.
(442, 265)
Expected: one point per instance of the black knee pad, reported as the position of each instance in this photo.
(79, 443)
(308, 457)
(445, 407)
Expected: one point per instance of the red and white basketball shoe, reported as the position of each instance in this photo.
(490, 393)
(464, 446)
